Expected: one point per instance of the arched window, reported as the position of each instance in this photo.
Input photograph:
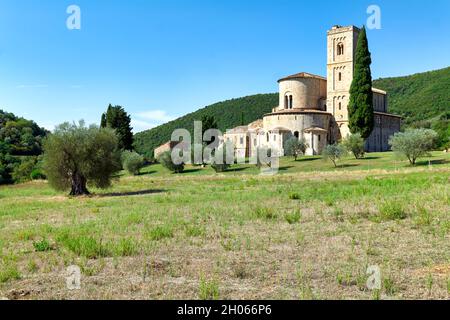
(340, 76)
(286, 102)
(291, 102)
(268, 137)
(340, 106)
(297, 134)
(340, 49)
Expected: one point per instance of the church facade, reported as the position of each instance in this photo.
(316, 108)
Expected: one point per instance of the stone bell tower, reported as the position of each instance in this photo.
(341, 49)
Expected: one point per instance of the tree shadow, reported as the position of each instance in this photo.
(346, 165)
(369, 158)
(285, 168)
(306, 159)
(432, 162)
(131, 193)
(190, 171)
(147, 173)
(236, 169)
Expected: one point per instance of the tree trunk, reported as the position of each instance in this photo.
(79, 185)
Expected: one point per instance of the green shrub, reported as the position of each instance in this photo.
(295, 147)
(333, 152)
(22, 172)
(413, 143)
(355, 144)
(132, 162)
(294, 196)
(166, 161)
(38, 174)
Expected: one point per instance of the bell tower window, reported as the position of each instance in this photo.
(340, 49)
(291, 102)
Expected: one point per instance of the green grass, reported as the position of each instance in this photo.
(238, 228)
(42, 246)
(208, 290)
(293, 217)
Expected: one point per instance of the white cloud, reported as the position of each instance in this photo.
(32, 86)
(149, 119)
(155, 115)
(139, 125)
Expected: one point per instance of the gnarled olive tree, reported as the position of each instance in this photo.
(76, 155)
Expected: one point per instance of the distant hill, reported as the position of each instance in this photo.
(418, 97)
(422, 99)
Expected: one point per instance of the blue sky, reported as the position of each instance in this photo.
(164, 58)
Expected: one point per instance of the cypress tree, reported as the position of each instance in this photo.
(361, 117)
(118, 119)
(103, 121)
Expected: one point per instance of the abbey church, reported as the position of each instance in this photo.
(316, 108)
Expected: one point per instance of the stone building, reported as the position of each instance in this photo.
(316, 108)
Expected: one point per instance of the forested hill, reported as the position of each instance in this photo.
(20, 139)
(418, 97)
(422, 99)
(18, 136)
(228, 114)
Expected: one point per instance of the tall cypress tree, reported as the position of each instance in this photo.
(103, 121)
(360, 109)
(118, 119)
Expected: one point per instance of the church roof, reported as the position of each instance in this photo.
(240, 129)
(379, 91)
(302, 75)
(315, 129)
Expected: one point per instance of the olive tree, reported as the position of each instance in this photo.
(166, 161)
(76, 155)
(295, 147)
(413, 143)
(333, 152)
(132, 162)
(355, 144)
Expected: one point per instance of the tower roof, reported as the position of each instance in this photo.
(302, 75)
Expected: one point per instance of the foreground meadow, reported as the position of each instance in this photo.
(308, 233)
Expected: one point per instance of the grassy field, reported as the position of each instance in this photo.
(308, 233)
